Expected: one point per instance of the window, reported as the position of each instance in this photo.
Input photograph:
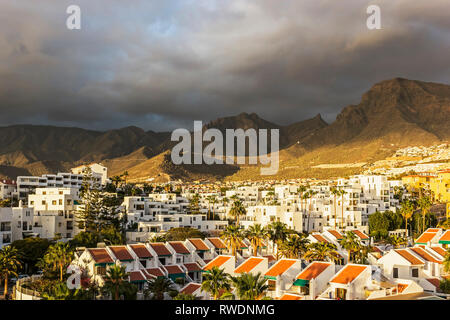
(415, 273)
(60, 202)
(43, 202)
(395, 273)
(54, 202)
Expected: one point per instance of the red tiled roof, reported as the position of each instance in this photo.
(217, 262)
(155, 272)
(249, 264)
(445, 236)
(288, 296)
(192, 267)
(217, 243)
(313, 270)
(425, 255)
(319, 237)
(199, 244)
(137, 276)
(441, 251)
(426, 237)
(174, 269)
(160, 249)
(402, 287)
(141, 251)
(336, 234)
(100, 255)
(409, 257)
(348, 274)
(179, 247)
(121, 253)
(280, 267)
(361, 235)
(435, 282)
(190, 288)
(435, 230)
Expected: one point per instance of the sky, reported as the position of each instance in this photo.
(160, 65)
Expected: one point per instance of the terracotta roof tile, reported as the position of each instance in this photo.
(435, 282)
(179, 247)
(435, 230)
(217, 262)
(190, 288)
(100, 255)
(336, 234)
(160, 249)
(137, 276)
(319, 237)
(313, 270)
(141, 251)
(288, 296)
(409, 257)
(425, 255)
(426, 237)
(192, 267)
(249, 264)
(439, 250)
(121, 253)
(217, 243)
(156, 272)
(348, 274)
(174, 269)
(361, 235)
(199, 244)
(445, 236)
(280, 267)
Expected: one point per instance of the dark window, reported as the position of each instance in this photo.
(395, 273)
(415, 273)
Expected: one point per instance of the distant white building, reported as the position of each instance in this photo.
(7, 188)
(96, 168)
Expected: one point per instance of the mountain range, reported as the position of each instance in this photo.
(393, 114)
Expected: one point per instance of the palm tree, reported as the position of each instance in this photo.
(255, 234)
(215, 282)
(321, 251)
(350, 243)
(294, 246)
(115, 279)
(158, 287)
(278, 233)
(342, 192)
(125, 175)
(233, 237)
(407, 211)
(335, 192)
(249, 286)
(58, 257)
(9, 264)
(424, 204)
(237, 210)
(302, 189)
(446, 261)
(396, 241)
(185, 296)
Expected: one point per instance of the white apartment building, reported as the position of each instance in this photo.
(7, 189)
(15, 224)
(96, 169)
(27, 184)
(54, 211)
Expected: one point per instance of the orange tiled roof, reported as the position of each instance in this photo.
(435, 230)
(179, 247)
(190, 288)
(192, 267)
(249, 264)
(336, 234)
(408, 256)
(425, 255)
(199, 244)
(348, 274)
(137, 276)
(313, 270)
(402, 287)
(155, 272)
(174, 269)
(441, 251)
(360, 234)
(217, 243)
(426, 237)
(121, 253)
(141, 251)
(445, 236)
(288, 296)
(319, 237)
(217, 262)
(280, 267)
(435, 282)
(100, 255)
(160, 249)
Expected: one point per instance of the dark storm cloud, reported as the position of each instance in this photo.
(161, 64)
